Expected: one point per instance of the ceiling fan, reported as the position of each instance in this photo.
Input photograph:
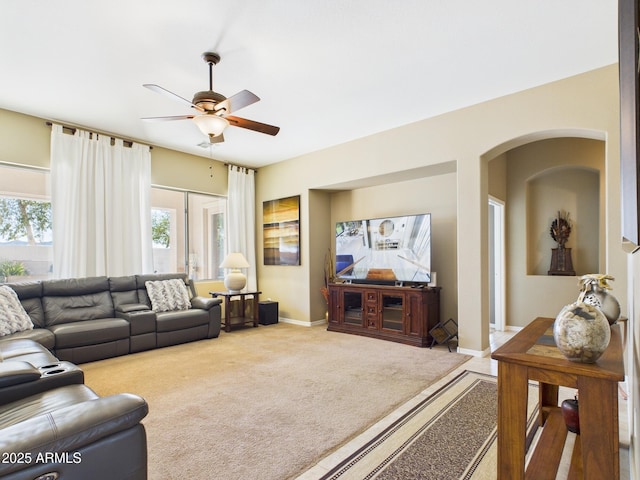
(214, 109)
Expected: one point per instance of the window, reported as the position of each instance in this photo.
(164, 238)
(188, 229)
(188, 233)
(26, 251)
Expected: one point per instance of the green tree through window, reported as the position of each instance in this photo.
(161, 228)
(19, 218)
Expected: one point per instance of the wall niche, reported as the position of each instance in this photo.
(544, 176)
(569, 189)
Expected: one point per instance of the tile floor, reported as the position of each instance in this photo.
(482, 365)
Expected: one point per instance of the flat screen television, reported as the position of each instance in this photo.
(389, 250)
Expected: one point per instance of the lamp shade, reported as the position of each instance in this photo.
(234, 260)
(235, 280)
(211, 124)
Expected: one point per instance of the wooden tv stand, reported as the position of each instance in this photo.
(399, 314)
(532, 355)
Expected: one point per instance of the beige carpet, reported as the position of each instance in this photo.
(450, 435)
(268, 402)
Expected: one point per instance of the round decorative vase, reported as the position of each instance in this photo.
(570, 415)
(595, 295)
(581, 332)
(235, 281)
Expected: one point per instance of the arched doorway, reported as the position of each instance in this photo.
(511, 168)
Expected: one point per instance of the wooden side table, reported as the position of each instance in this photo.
(230, 320)
(532, 355)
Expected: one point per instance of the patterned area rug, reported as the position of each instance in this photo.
(450, 435)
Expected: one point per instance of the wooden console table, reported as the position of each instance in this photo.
(230, 320)
(532, 355)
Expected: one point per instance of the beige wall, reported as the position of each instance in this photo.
(497, 177)
(187, 172)
(319, 248)
(25, 140)
(574, 192)
(530, 210)
(273, 280)
(582, 106)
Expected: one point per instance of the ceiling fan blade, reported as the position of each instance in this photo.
(236, 102)
(167, 119)
(252, 125)
(167, 93)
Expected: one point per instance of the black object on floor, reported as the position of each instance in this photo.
(267, 313)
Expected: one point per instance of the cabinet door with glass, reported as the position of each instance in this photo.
(352, 307)
(392, 307)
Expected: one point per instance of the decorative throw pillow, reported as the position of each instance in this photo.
(168, 295)
(13, 317)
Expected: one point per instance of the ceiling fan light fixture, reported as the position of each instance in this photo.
(215, 109)
(211, 125)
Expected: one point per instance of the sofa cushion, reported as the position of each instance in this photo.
(44, 403)
(75, 286)
(179, 320)
(25, 350)
(168, 295)
(17, 372)
(13, 317)
(90, 332)
(76, 299)
(30, 294)
(123, 291)
(41, 335)
(77, 308)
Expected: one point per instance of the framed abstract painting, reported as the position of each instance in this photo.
(281, 230)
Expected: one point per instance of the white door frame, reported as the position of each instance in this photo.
(499, 269)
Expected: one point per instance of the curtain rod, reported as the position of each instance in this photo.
(255, 170)
(127, 143)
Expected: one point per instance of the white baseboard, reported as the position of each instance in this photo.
(303, 323)
(512, 328)
(475, 353)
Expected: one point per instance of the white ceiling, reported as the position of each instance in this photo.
(327, 72)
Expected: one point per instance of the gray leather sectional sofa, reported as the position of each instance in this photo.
(85, 319)
(52, 426)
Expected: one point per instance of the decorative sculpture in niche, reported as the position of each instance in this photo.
(560, 230)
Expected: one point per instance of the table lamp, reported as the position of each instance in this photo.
(235, 280)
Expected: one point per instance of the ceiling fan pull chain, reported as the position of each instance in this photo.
(211, 76)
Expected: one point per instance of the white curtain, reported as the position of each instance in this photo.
(241, 218)
(100, 196)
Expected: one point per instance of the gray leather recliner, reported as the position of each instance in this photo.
(52, 426)
(71, 433)
(27, 368)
